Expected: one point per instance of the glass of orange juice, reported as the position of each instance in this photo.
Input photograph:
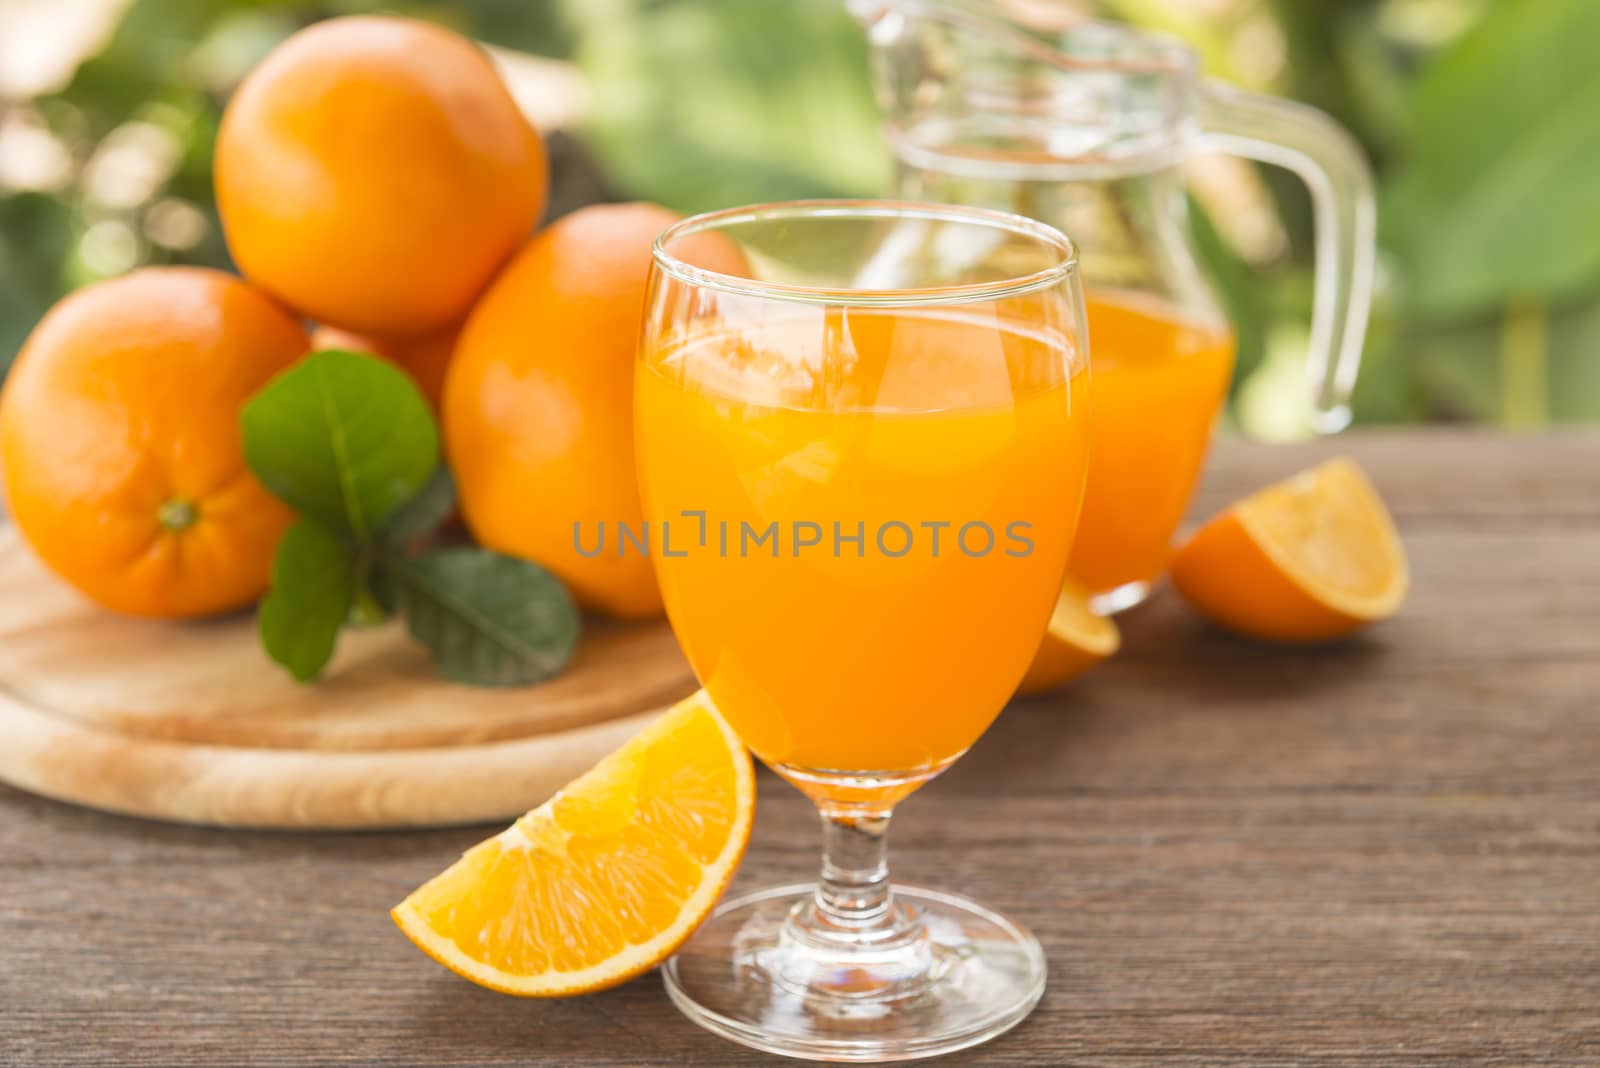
(861, 435)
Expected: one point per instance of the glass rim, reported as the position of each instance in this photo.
(960, 293)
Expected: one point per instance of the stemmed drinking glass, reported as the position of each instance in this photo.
(861, 437)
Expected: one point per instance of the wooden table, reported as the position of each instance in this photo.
(1385, 853)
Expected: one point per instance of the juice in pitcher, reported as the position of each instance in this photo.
(1159, 380)
(857, 538)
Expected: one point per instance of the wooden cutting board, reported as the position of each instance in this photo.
(191, 721)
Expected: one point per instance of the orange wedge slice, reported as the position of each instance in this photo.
(1075, 641)
(1312, 558)
(607, 878)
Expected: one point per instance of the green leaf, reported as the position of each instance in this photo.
(1499, 198)
(487, 619)
(314, 583)
(342, 437)
(423, 514)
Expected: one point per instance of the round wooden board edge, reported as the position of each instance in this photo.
(295, 790)
(619, 670)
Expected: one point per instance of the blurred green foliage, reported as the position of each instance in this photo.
(1478, 115)
(711, 105)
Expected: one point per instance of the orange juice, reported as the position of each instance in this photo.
(915, 431)
(1158, 382)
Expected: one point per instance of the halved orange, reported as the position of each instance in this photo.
(1309, 559)
(1076, 640)
(607, 878)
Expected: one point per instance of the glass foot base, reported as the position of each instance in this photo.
(1120, 599)
(955, 975)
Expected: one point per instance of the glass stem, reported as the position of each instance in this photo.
(853, 907)
(854, 889)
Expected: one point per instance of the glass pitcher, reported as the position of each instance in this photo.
(1084, 129)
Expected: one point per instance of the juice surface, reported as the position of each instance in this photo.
(896, 653)
(1157, 384)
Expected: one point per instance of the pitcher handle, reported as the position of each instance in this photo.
(1332, 165)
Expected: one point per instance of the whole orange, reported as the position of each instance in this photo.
(425, 357)
(120, 446)
(538, 403)
(374, 173)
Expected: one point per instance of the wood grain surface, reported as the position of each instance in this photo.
(1381, 854)
(191, 722)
